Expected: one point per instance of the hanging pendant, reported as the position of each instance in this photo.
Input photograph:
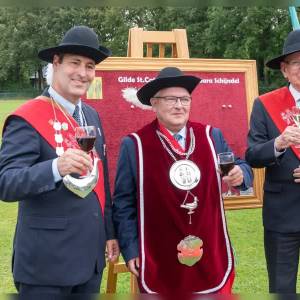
(57, 125)
(58, 138)
(190, 206)
(185, 174)
(64, 126)
(190, 250)
(59, 151)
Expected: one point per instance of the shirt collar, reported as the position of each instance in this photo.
(66, 104)
(182, 132)
(294, 92)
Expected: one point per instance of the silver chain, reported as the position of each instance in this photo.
(191, 149)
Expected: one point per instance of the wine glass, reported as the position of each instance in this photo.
(226, 163)
(296, 118)
(296, 115)
(86, 136)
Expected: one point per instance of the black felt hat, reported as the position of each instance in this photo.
(291, 45)
(80, 40)
(167, 77)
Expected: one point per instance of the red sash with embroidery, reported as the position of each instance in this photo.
(39, 114)
(163, 223)
(276, 103)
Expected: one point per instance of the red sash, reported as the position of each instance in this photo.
(171, 138)
(276, 103)
(39, 114)
(163, 223)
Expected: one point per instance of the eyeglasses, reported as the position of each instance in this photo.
(172, 100)
(293, 63)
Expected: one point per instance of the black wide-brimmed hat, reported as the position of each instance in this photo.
(291, 45)
(80, 40)
(167, 77)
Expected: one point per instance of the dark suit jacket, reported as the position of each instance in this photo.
(60, 238)
(125, 199)
(281, 207)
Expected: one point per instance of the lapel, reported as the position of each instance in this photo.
(89, 118)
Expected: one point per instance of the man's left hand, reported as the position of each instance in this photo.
(113, 250)
(235, 176)
(296, 174)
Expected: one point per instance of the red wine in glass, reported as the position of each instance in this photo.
(86, 143)
(226, 167)
(226, 163)
(85, 137)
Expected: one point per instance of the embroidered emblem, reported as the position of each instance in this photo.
(190, 250)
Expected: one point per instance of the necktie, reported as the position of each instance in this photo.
(76, 115)
(177, 137)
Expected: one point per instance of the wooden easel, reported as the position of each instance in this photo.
(136, 39)
(112, 276)
(177, 38)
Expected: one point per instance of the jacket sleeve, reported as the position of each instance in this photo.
(260, 152)
(222, 146)
(22, 173)
(125, 201)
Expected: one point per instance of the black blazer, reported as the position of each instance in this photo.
(60, 238)
(281, 207)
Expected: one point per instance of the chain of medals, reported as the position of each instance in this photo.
(58, 126)
(180, 165)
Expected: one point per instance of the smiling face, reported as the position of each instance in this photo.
(173, 116)
(290, 69)
(72, 75)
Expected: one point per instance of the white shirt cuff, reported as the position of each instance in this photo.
(278, 153)
(55, 172)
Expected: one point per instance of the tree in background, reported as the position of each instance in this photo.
(213, 32)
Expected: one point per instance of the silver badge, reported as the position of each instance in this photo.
(185, 174)
(58, 138)
(59, 151)
(57, 125)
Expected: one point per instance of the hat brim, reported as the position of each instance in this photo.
(95, 54)
(145, 93)
(275, 62)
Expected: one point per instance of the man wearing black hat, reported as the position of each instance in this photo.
(273, 143)
(61, 234)
(168, 209)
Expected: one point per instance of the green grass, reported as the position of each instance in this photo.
(245, 230)
(6, 107)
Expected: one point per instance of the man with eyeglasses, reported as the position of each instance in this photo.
(273, 143)
(168, 208)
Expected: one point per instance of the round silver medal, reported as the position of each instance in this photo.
(185, 174)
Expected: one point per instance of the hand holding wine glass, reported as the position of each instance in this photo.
(86, 137)
(226, 164)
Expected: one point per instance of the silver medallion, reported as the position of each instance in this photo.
(57, 125)
(185, 174)
(58, 138)
(59, 151)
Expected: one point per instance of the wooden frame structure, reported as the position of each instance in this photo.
(177, 38)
